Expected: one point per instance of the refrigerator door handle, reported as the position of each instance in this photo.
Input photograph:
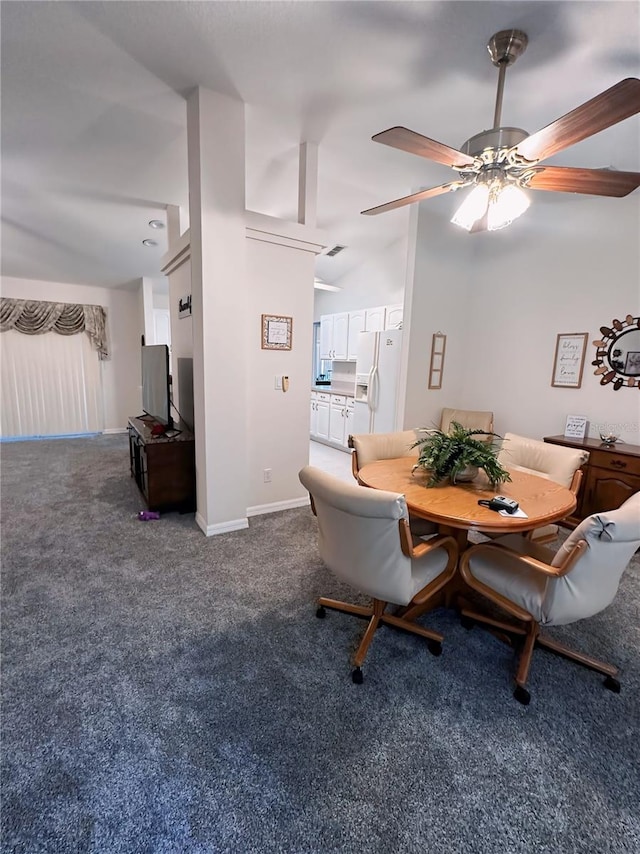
(374, 389)
(370, 387)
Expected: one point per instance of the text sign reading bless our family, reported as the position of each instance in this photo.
(569, 360)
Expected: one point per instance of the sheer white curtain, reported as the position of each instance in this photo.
(51, 385)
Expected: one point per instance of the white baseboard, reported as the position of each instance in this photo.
(260, 509)
(221, 527)
(330, 444)
(109, 430)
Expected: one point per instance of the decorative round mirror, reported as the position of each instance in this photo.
(618, 353)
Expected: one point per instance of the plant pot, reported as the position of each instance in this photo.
(467, 474)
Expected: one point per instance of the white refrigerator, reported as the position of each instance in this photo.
(377, 386)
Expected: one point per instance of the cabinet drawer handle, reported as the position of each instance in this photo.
(620, 464)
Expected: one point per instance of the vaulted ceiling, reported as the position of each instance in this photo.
(94, 120)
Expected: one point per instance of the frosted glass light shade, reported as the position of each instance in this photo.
(510, 203)
(473, 207)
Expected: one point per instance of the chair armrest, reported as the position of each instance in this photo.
(414, 547)
(354, 460)
(576, 481)
(534, 563)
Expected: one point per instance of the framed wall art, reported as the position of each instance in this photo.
(568, 361)
(276, 332)
(617, 360)
(436, 366)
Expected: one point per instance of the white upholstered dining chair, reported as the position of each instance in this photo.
(365, 540)
(539, 588)
(555, 462)
(470, 419)
(370, 447)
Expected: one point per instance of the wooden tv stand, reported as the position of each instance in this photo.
(164, 468)
(610, 475)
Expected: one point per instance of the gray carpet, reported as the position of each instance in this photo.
(165, 692)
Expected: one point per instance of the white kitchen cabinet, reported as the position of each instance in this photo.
(357, 321)
(337, 419)
(375, 319)
(326, 336)
(334, 336)
(331, 418)
(393, 316)
(323, 407)
(348, 426)
(341, 335)
(313, 421)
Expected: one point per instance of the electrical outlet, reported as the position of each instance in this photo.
(267, 475)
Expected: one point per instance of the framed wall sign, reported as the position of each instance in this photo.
(184, 306)
(568, 361)
(276, 332)
(576, 426)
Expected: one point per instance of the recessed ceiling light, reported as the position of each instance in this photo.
(156, 223)
(149, 242)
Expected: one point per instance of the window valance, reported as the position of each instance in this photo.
(35, 317)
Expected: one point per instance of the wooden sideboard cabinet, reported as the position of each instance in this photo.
(164, 468)
(610, 476)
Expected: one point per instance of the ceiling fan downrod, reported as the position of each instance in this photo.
(504, 48)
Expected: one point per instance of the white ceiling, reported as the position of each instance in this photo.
(94, 119)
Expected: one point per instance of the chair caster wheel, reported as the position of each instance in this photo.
(612, 684)
(356, 676)
(467, 622)
(434, 647)
(522, 695)
(320, 612)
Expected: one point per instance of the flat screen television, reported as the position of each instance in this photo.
(156, 383)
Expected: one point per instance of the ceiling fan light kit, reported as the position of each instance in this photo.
(500, 164)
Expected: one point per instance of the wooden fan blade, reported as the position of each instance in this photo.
(606, 109)
(414, 197)
(593, 182)
(415, 143)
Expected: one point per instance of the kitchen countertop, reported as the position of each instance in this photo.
(346, 391)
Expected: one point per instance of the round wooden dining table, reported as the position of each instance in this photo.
(455, 508)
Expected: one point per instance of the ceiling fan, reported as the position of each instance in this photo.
(503, 162)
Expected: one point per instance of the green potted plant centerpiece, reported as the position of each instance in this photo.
(459, 454)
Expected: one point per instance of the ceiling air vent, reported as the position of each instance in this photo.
(337, 248)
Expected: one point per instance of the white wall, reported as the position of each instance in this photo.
(181, 327)
(120, 373)
(502, 299)
(161, 299)
(378, 280)
(436, 301)
(219, 288)
(281, 283)
(179, 281)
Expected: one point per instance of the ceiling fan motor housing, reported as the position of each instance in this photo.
(493, 140)
(506, 46)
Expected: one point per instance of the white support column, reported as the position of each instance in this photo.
(146, 291)
(308, 183)
(216, 144)
(173, 224)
